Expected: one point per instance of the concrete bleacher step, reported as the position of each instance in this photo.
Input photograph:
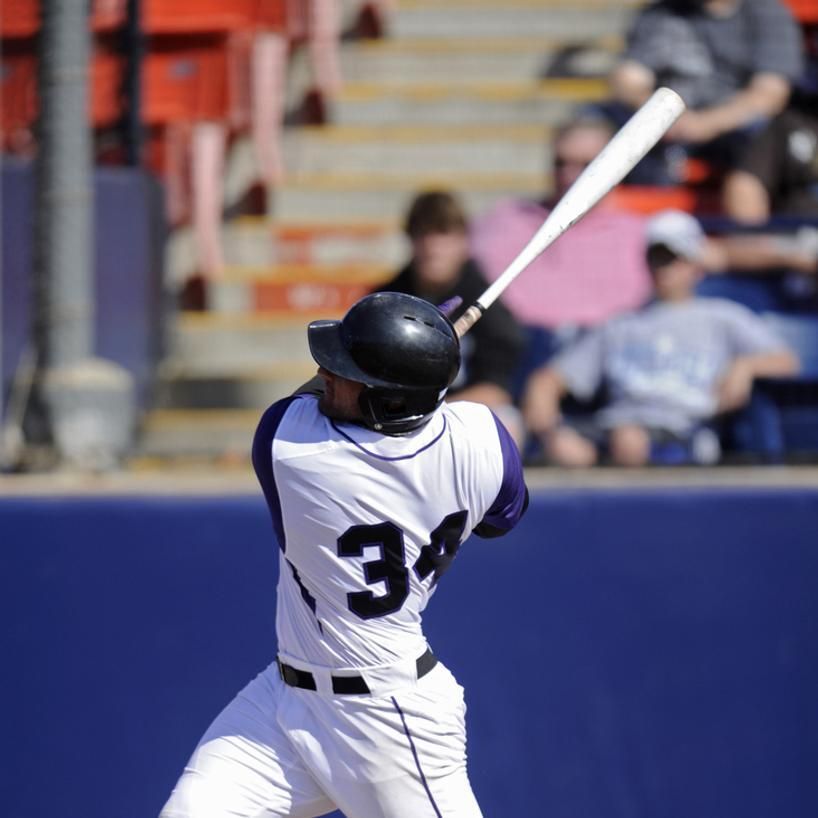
(536, 102)
(550, 19)
(432, 60)
(174, 434)
(204, 343)
(452, 98)
(231, 389)
(258, 241)
(382, 194)
(294, 288)
(412, 149)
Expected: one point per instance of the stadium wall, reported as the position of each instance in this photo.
(625, 653)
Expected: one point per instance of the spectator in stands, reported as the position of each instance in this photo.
(732, 61)
(784, 264)
(594, 271)
(762, 253)
(668, 369)
(778, 173)
(441, 269)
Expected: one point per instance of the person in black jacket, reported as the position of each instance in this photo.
(441, 269)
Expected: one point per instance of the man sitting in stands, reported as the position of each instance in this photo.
(668, 369)
(592, 272)
(732, 61)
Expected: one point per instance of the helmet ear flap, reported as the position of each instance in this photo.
(401, 347)
(396, 411)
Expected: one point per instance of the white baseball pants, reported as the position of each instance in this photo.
(282, 752)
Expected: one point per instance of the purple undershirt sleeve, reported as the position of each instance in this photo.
(512, 498)
(263, 463)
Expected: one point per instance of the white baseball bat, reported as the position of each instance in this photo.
(630, 144)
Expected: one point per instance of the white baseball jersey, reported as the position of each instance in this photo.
(368, 523)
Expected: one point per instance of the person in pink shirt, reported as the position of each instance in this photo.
(592, 272)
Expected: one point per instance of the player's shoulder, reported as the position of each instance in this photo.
(466, 411)
(474, 421)
(299, 404)
(297, 417)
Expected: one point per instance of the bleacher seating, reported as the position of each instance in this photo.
(19, 26)
(759, 293)
(185, 80)
(805, 11)
(800, 331)
(21, 18)
(647, 199)
(19, 95)
(197, 70)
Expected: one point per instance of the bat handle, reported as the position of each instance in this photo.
(468, 319)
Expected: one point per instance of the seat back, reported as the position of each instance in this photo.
(781, 420)
(800, 332)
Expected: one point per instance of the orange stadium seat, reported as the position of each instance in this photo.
(21, 18)
(185, 80)
(197, 66)
(18, 91)
(197, 16)
(805, 11)
(647, 199)
(108, 15)
(196, 80)
(107, 69)
(271, 14)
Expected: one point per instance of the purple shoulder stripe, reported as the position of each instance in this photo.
(512, 498)
(263, 462)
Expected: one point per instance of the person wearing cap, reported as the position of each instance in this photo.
(665, 370)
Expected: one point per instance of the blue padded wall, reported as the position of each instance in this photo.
(624, 653)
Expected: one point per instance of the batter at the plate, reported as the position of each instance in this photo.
(373, 483)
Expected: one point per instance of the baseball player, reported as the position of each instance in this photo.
(372, 484)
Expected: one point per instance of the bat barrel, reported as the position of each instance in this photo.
(628, 146)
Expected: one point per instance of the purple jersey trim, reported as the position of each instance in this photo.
(512, 499)
(383, 457)
(263, 462)
(417, 760)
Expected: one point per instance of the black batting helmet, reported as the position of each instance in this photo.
(402, 348)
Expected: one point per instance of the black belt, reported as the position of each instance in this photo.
(345, 685)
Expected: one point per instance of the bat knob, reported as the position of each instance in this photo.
(450, 305)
